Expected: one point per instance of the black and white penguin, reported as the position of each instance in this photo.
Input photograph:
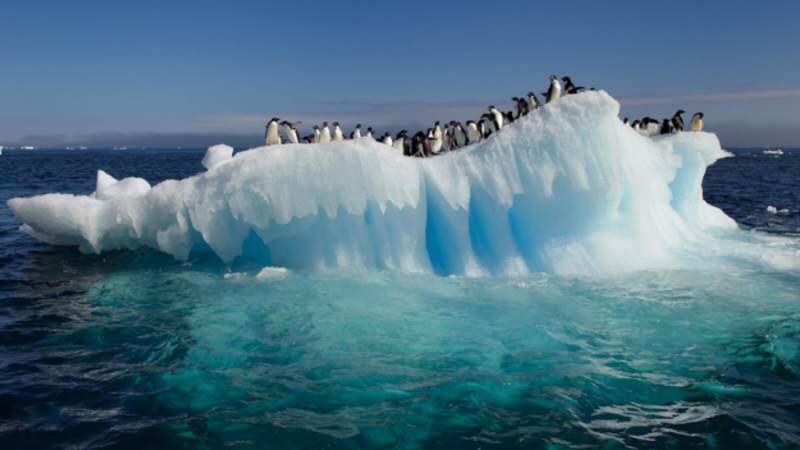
(317, 134)
(356, 133)
(338, 136)
(400, 141)
(697, 122)
(473, 132)
(522, 106)
(635, 125)
(677, 120)
(650, 126)
(459, 135)
(569, 86)
(533, 101)
(509, 117)
(290, 129)
(272, 135)
(486, 127)
(666, 127)
(498, 117)
(369, 133)
(387, 139)
(436, 139)
(420, 148)
(325, 134)
(554, 91)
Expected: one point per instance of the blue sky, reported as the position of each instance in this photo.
(73, 71)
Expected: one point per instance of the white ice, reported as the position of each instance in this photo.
(568, 190)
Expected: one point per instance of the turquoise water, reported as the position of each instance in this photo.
(134, 350)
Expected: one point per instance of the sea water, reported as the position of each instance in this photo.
(136, 350)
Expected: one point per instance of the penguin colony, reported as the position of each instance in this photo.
(454, 135)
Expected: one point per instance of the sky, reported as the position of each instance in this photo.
(150, 73)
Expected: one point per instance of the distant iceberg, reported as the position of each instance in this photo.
(567, 190)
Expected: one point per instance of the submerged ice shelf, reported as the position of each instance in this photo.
(568, 190)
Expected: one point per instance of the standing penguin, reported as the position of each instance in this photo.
(666, 127)
(522, 106)
(498, 117)
(387, 139)
(554, 91)
(400, 141)
(473, 133)
(459, 135)
(290, 129)
(325, 134)
(338, 136)
(635, 125)
(356, 133)
(697, 122)
(272, 135)
(533, 101)
(420, 147)
(317, 134)
(650, 126)
(369, 133)
(677, 120)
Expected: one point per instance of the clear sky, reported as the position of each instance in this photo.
(141, 71)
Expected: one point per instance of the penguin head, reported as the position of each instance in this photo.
(369, 129)
(553, 77)
(336, 124)
(358, 126)
(492, 108)
(699, 114)
(679, 112)
(316, 127)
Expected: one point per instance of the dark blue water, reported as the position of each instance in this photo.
(134, 350)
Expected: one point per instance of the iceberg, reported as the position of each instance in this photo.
(568, 189)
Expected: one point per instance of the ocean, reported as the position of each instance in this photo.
(135, 350)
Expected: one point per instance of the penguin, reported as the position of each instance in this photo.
(420, 148)
(436, 140)
(489, 122)
(317, 134)
(650, 126)
(449, 142)
(666, 127)
(272, 135)
(697, 122)
(625, 121)
(554, 91)
(473, 133)
(635, 125)
(400, 142)
(325, 134)
(356, 133)
(459, 135)
(509, 116)
(338, 136)
(533, 101)
(677, 120)
(522, 106)
(387, 139)
(291, 131)
(569, 86)
(485, 127)
(498, 117)
(369, 133)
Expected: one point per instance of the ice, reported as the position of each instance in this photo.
(217, 155)
(108, 187)
(774, 210)
(567, 190)
(272, 274)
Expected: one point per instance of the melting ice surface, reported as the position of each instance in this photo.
(567, 190)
